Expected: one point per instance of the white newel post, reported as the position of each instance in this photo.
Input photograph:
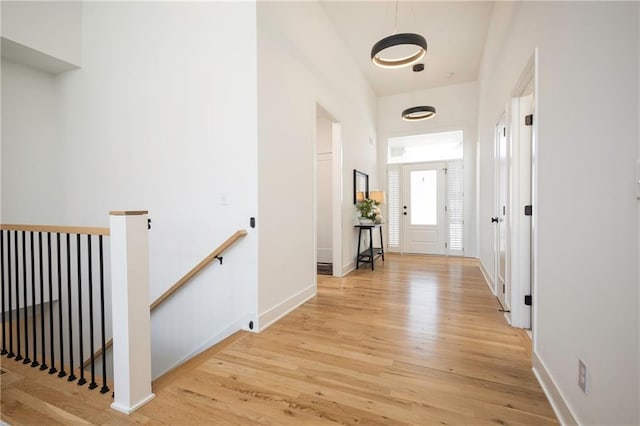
(131, 315)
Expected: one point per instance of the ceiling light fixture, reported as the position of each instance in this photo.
(403, 42)
(418, 113)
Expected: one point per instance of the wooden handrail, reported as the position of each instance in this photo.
(185, 279)
(83, 230)
(199, 267)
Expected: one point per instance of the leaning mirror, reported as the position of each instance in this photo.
(360, 186)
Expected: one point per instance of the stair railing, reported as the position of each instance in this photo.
(49, 276)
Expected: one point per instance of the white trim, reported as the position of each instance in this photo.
(278, 311)
(348, 268)
(325, 156)
(336, 193)
(534, 201)
(558, 402)
(486, 276)
(129, 410)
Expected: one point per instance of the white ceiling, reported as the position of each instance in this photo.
(455, 33)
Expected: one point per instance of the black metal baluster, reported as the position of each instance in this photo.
(11, 354)
(4, 296)
(82, 380)
(93, 383)
(17, 259)
(104, 388)
(43, 365)
(62, 373)
(72, 376)
(35, 362)
(24, 293)
(53, 368)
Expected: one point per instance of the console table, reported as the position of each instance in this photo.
(370, 254)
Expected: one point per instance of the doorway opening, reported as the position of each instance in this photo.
(328, 191)
(425, 181)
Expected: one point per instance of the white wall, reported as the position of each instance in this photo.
(30, 145)
(50, 28)
(587, 276)
(160, 117)
(456, 109)
(301, 63)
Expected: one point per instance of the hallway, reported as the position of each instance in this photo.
(417, 341)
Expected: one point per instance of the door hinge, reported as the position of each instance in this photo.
(528, 120)
(504, 131)
(527, 300)
(445, 208)
(446, 245)
(504, 288)
(528, 210)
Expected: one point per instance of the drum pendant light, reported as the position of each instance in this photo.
(415, 43)
(418, 113)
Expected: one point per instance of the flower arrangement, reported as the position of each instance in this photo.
(368, 209)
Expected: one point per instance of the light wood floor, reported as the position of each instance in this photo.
(417, 341)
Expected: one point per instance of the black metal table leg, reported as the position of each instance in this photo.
(358, 253)
(371, 248)
(381, 245)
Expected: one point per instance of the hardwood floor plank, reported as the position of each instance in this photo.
(418, 341)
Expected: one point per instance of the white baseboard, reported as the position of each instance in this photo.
(487, 277)
(557, 401)
(278, 311)
(347, 269)
(134, 407)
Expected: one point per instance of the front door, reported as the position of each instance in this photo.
(423, 208)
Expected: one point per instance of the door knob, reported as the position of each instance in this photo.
(405, 213)
(494, 220)
(405, 207)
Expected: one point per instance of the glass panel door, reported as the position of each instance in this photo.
(424, 197)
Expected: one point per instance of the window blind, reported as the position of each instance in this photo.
(455, 212)
(393, 208)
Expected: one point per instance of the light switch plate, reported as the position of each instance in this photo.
(638, 180)
(582, 376)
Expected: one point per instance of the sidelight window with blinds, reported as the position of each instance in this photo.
(454, 208)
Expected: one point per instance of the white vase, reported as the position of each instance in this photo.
(364, 221)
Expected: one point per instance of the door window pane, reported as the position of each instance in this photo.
(424, 197)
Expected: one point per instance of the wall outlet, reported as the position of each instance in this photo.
(582, 376)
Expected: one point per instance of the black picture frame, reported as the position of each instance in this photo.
(360, 185)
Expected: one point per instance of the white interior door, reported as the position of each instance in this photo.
(502, 289)
(423, 215)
